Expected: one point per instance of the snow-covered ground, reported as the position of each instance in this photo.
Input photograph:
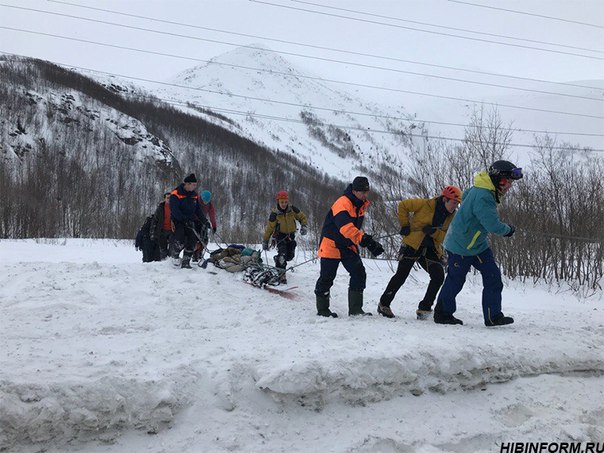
(102, 353)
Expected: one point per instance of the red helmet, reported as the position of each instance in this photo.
(282, 195)
(452, 193)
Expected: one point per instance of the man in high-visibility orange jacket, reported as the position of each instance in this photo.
(340, 238)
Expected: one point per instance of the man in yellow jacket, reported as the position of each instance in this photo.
(281, 226)
(423, 235)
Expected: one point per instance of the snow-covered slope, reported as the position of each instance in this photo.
(232, 86)
(48, 114)
(99, 351)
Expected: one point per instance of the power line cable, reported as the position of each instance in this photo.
(529, 14)
(331, 49)
(292, 120)
(444, 26)
(381, 68)
(309, 77)
(427, 31)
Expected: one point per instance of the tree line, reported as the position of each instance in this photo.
(72, 176)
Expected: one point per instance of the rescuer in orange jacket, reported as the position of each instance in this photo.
(340, 238)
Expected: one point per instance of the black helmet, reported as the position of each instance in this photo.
(504, 169)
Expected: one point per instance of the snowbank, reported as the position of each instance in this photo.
(98, 346)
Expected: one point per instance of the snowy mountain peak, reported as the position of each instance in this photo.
(276, 104)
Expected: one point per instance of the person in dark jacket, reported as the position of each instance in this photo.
(424, 223)
(187, 218)
(281, 226)
(467, 245)
(145, 243)
(161, 226)
(341, 237)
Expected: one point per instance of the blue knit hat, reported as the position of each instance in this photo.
(206, 196)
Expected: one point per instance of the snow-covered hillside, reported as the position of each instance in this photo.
(52, 111)
(101, 353)
(233, 86)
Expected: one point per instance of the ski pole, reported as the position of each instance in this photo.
(387, 236)
(203, 251)
(300, 264)
(222, 241)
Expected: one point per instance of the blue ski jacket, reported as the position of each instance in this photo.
(476, 217)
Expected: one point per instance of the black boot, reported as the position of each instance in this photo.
(355, 303)
(323, 307)
(186, 263)
(499, 321)
(441, 318)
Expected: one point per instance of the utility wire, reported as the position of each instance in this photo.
(443, 26)
(427, 31)
(381, 68)
(331, 49)
(529, 14)
(312, 78)
(292, 120)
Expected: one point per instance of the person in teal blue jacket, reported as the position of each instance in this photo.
(467, 244)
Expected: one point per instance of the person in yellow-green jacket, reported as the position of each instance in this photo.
(424, 223)
(282, 228)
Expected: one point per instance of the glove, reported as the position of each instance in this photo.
(374, 247)
(264, 245)
(365, 240)
(303, 230)
(405, 230)
(213, 229)
(429, 229)
(152, 237)
(512, 230)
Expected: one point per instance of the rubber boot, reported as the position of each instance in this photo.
(323, 306)
(355, 303)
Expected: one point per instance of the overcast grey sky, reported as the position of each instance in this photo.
(291, 23)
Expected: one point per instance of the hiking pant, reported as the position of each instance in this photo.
(329, 268)
(457, 269)
(286, 249)
(164, 241)
(150, 250)
(182, 238)
(429, 261)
